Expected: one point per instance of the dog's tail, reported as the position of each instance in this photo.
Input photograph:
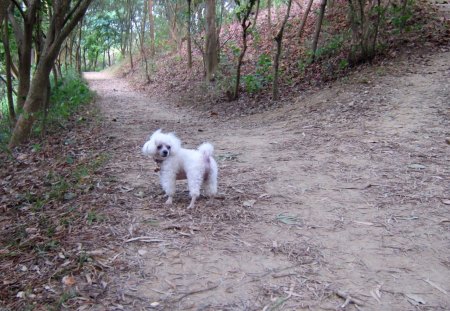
(207, 149)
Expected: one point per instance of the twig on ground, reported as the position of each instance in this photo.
(348, 299)
(144, 239)
(196, 292)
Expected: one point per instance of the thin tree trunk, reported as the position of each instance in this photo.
(96, 59)
(245, 24)
(304, 19)
(256, 13)
(79, 49)
(323, 4)
(211, 40)
(269, 12)
(24, 37)
(279, 39)
(9, 87)
(189, 41)
(142, 41)
(55, 73)
(151, 21)
(46, 108)
(3, 10)
(130, 31)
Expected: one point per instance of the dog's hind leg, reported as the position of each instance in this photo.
(194, 184)
(211, 182)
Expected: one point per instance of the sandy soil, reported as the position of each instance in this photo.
(339, 200)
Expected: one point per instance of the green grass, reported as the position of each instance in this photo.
(67, 96)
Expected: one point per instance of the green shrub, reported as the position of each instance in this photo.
(66, 97)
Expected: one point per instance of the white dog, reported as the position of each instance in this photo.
(177, 163)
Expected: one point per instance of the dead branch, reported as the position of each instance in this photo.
(348, 299)
(196, 292)
(144, 239)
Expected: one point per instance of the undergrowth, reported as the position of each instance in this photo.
(67, 96)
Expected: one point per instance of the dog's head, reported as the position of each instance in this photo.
(161, 146)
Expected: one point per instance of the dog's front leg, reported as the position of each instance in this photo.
(192, 202)
(168, 180)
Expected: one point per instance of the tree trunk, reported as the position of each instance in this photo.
(79, 49)
(61, 24)
(304, 19)
(142, 41)
(279, 39)
(151, 21)
(24, 38)
(256, 13)
(269, 12)
(3, 10)
(9, 87)
(130, 31)
(243, 16)
(211, 40)
(323, 4)
(189, 41)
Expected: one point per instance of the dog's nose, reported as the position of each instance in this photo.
(164, 153)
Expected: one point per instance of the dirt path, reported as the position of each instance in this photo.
(346, 191)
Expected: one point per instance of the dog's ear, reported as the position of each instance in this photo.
(149, 147)
(175, 143)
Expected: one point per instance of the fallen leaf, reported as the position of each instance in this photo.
(446, 202)
(249, 203)
(68, 280)
(416, 166)
(364, 223)
(415, 299)
(20, 295)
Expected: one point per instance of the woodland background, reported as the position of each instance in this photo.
(222, 58)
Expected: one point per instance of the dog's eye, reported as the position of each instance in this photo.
(168, 147)
(159, 147)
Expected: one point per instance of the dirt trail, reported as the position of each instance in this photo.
(343, 191)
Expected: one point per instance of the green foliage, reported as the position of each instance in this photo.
(66, 98)
(255, 82)
(332, 46)
(399, 16)
(343, 64)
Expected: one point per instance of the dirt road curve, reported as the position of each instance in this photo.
(338, 200)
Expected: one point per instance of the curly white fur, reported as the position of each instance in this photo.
(198, 166)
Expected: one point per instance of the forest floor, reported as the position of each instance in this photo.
(338, 200)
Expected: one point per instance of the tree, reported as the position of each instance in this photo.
(22, 25)
(62, 19)
(305, 17)
(151, 22)
(365, 18)
(211, 48)
(8, 62)
(278, 40)
(323, 5)
(243, 10)
(189, 41)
